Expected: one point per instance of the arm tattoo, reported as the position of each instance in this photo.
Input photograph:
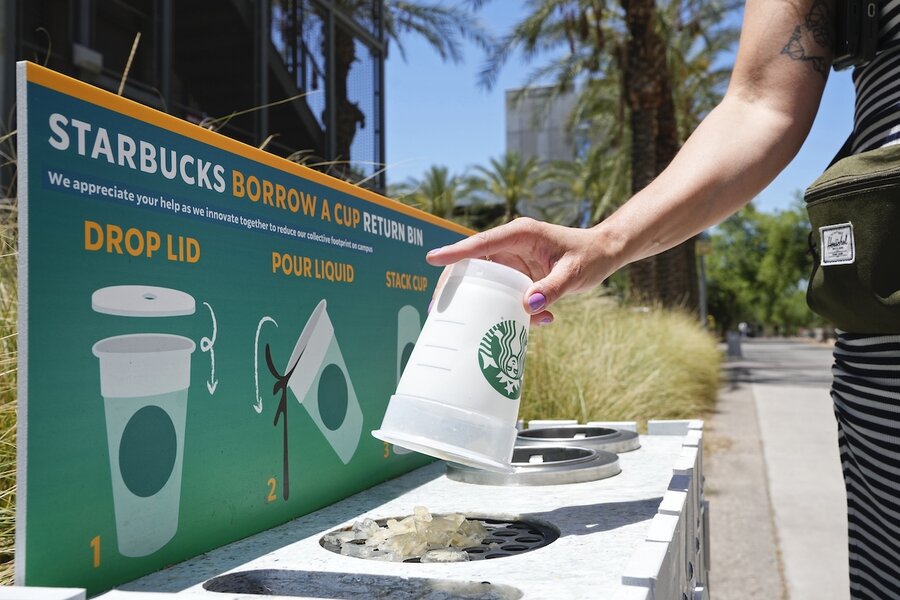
(818, 21)
(796, 51)
(816, 28)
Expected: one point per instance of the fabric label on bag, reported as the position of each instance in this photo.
(838, 246)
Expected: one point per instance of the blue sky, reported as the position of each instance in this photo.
(437, 114)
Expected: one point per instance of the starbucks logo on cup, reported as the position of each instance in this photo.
(501, 356)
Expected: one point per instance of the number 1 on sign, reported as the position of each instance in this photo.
(95, 544)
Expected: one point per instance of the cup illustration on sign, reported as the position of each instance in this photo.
(409, 326)
(144, 381)
(458, 397)
(321, 383)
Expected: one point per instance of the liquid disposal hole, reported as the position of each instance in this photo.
(529, 456)
(505, 538)
(543, 433)
(293, 583)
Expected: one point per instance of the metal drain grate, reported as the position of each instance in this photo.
(505, 538)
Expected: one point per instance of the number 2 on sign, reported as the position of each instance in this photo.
(273, 483)
(95, 544)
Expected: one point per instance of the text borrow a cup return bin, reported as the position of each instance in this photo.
(144, 381)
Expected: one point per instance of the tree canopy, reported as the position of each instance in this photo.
(758, 268)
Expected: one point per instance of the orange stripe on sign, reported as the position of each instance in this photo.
(78, 89)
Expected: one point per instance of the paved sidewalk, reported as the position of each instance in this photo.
(778, 516)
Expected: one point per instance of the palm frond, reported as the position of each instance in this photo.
(443, 27)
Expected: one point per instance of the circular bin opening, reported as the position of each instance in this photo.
(505, 537)
(544, 465)
(565, 432)
(559, 456)
(326, 584)
(599, 438)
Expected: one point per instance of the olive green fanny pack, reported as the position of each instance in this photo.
(854, 210)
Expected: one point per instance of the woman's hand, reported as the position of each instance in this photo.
(558, 259)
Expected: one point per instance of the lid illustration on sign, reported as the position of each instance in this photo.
(142, 301)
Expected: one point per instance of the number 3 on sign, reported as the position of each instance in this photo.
(273, 484)
(95, 544)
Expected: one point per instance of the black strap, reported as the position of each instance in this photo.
(881, 48)
(890, 45)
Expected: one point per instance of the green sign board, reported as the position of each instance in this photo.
(208, 335)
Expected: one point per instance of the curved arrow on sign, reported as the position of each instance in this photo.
(258, 407)
(206, 345)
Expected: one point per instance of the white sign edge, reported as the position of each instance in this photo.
(22, 276)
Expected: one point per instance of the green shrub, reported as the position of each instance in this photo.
(8, 357)
(600, 361)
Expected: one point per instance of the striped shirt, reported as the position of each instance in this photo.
(866, 388)
(876, 121)
(866, 394)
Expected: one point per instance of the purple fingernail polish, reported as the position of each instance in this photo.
(546, 320)
(536, 302)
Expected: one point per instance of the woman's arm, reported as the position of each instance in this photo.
(780, 71)
(756, 130)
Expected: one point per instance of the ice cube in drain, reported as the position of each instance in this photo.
(429, 538)
(445, 555)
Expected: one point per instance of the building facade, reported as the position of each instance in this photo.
(537, 124)
(303, 78)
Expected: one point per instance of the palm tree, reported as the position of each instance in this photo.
(694, 44)
(596, 181)
(669, 277)
(652, 74)
(625, 60)
(510, 180)
(443, 27)
(437, 192)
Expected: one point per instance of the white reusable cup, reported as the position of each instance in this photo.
(458, 398)
(144, 381)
